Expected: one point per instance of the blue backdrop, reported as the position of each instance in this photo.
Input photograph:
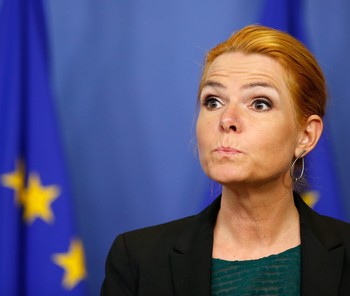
(125, 77)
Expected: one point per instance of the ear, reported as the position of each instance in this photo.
(309, 135)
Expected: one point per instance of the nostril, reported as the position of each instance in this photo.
(228, 125)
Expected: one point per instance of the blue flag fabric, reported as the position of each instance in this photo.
(40, 252)
(322, 192)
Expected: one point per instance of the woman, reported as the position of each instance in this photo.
(262, 97)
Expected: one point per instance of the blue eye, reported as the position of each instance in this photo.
(261, 104)
(212, 103)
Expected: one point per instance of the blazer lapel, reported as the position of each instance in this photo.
(322, 255)
(192, 270)
(190, 261)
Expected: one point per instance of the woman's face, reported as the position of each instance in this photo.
(246, 128)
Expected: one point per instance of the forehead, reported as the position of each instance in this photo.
(248, 67)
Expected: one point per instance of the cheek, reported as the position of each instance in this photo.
(200, 137)
(205, 125)
(276, 144)
(271, 136)
(204, 137)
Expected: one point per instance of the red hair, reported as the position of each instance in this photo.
(305, 80)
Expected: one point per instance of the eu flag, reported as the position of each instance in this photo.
(321, 192)
(40, 251)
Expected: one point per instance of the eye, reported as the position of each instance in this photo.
(212, 103)
(262, 104)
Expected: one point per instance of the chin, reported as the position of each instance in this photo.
(226, 177)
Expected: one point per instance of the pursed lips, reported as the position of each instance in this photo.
(227, 150)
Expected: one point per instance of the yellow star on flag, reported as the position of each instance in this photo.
(73, 264)
(311, 198)
(15, 181)
(37, 200)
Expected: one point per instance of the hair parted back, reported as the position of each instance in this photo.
(305, 80)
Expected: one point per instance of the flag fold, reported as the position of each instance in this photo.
(40, 251)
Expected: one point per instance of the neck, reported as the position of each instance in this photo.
(255, 223)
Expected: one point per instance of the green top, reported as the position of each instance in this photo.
(273, 275)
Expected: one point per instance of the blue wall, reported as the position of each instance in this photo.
(125, 77)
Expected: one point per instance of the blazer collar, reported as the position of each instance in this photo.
(192, 254)
(322, 254)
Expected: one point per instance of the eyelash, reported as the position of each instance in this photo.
(265, 101)
(210, 99)
(261, 100)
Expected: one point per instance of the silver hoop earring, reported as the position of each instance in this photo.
(296, 179)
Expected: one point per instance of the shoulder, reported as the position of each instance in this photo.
(141, 253)
(327, 229)
(164, 236)
(341, 228)
(140, 258)
(149, 238)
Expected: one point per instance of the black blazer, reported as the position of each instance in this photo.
(175, 258)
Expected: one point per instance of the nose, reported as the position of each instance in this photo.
(230, 120)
